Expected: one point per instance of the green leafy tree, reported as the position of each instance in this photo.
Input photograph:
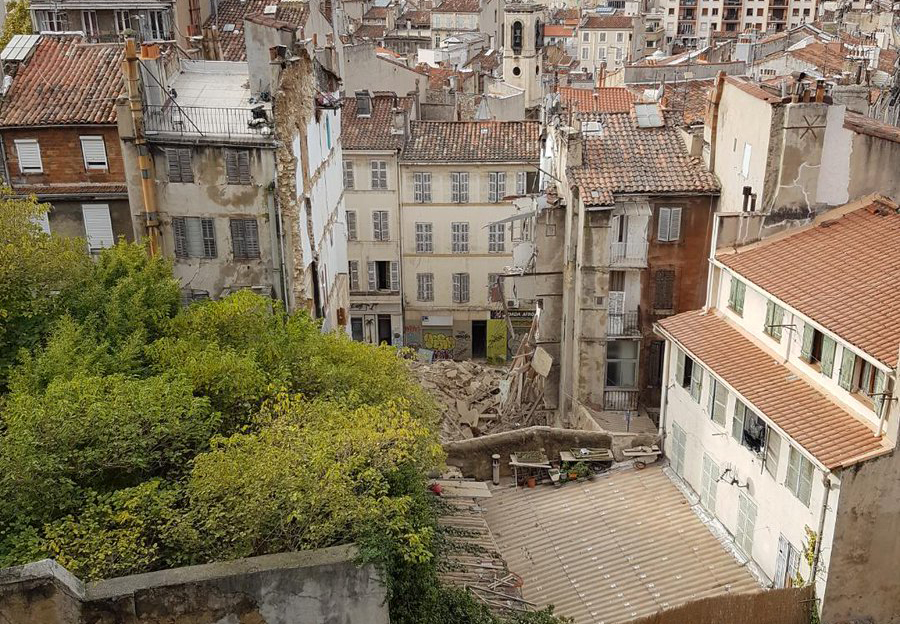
(18, 21)
(36, 269)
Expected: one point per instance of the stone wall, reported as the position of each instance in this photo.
(313, 587)
(473, 457)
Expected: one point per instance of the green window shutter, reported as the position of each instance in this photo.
(828, 348)
(777, 319)
(742, 290)
(879, 388)
(770, 314)
(737, 425)
(679, 367)
(696, 382)
(847, 364)
(806, 349)
(732, 293)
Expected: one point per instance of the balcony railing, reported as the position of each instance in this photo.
(631, 253)
(623, 324)
(620, 400)
(211, 121)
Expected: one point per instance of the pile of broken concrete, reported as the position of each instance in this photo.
(468, 395)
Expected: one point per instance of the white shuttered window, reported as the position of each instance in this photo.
(459, 237)
(460, 288)
(28, 151)
(669, 229)
(94, 151)
(97, 226)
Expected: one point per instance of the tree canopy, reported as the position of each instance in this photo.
(136, 434)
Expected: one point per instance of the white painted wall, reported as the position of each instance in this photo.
(753, 321)
(743, 119)
(779, 512)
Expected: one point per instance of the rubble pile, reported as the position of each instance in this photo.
(467, 393)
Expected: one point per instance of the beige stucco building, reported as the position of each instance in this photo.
(457, 181)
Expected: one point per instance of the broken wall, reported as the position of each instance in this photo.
(473, 457)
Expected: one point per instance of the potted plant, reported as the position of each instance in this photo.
(582, 470)
(572, 471)
(530, 481)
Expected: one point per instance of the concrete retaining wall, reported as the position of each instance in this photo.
(313, 587)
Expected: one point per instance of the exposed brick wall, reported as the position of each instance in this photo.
(61, 155)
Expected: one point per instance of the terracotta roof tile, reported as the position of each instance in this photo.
(417, 18)
(599, 100)
(66, 81)
(370, 31)
(47, 190)
(376, 13)
(372, 132)
(486, 60)
(558, 30)
(473, 141)
(752, 89)
(570, 17)
(690, 98)
(230, 18)
(458, 6)
(827, 431)
(872, 127)
(607, 22)
(624, 158)
(839, 272)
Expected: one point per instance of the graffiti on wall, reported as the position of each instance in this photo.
(496, 341)
(412, 335)
(462, 345)
(440, 341)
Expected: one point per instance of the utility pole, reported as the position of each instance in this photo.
(145, 162)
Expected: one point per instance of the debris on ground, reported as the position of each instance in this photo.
(476, 399)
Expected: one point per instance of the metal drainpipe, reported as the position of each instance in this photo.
(826, 482)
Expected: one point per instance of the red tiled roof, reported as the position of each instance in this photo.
(372, 132)
(830, 433)
(486, 60)
(473, 141)
(840, 271)
(599, 100)
(607, 22)
(66, 81)
(417, 18)
(570, 17)
(233, 12)
(690, 98)
(47, 190)
(624, 158)
(369, 31)
(378, 13)
(872, 127)
(558, 30)
(752, 89)
(458, 6)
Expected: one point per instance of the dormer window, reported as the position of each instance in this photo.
(363, 104)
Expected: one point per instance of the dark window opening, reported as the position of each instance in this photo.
(383, 275)
(517, 37)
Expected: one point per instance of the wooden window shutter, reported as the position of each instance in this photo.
(848, 360)
(208, 228)
(828, 349)
(243, 159)
(395, 276)
(679, 367)
(385, 226)
(696, 382)
(238, 243)
(674, 224)
(662, 231)
(172, 164)
(178, 230)
(806, 348)
(351, 225)
(879, 388)
(184, 164)
(231, 167)
(373, 279)
(354, 275)
(737, 425)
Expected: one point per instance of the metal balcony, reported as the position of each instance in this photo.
(246, 123)
(625, 324)
(620, 400)
(628, 254)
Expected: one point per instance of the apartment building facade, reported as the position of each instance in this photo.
(692, 23)
(609, 41)
(457, 179)
(373, 131)
(247, 193)
(148, 20)
(621, 243)
(779, 406)
(66, 149)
